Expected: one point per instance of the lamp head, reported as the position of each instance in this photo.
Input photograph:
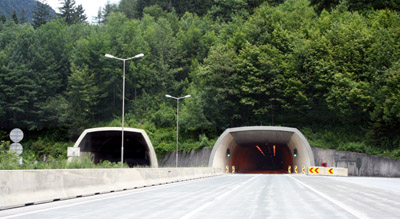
(139, 55)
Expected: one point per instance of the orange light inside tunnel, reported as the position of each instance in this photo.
(260, 150)
(274, 147)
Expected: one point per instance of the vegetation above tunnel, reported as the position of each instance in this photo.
(331, 70)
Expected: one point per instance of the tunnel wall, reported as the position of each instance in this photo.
(84, 139)
(234, 137)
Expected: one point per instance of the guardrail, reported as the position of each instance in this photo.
(27, 187)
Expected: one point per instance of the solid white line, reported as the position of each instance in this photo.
(195, 211)
(126, 193)
(355, 213)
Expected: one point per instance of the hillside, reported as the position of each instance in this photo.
(333, 74)
(8, 6)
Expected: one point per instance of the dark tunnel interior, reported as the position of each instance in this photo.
(261, 158)
(106, 145)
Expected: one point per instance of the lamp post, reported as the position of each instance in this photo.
(123, 99)
(177, 122)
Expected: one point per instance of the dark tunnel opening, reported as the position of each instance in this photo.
(106, 145)
(261, 158)
(252, 150)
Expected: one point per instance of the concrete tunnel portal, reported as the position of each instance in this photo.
(261, 149)
(105, 144)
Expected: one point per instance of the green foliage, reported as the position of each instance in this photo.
(8, 160)
(71, 13)
(243, 62)
(356, 5)
(45, 147)
(41, 14)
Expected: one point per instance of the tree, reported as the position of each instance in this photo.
(3, 18)
(80, 14)
(99, 17)
(23, 18)
(41, 14)
(83, 94)
(215, 83)
(107, 10)
(68, 11)
(14, 16)
(128, 7)
(226, 9)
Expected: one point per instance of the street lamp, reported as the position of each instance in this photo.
(123, 99)
(177, 122)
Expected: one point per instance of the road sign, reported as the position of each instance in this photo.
(227, 169)
(16, 135)
(17, 147)
(289, 169)
(295, 169)
(304, 170)
(313, 170)
(233, 169)
(330, 171)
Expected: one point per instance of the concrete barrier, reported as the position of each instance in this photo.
(25, 187)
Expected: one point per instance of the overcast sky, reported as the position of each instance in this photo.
(91, 6)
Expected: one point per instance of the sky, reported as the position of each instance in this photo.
(91, 6)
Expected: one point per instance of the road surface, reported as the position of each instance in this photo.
(236, 196)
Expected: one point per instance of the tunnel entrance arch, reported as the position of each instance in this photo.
(105, 144)
(268, 149)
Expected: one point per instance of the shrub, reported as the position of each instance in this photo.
(8, 159)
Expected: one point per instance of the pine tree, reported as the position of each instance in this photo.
(3, 18)
(98, 18)
(71, 13)
(80, 14)
(23, 18)
(107, 11)
(14, 16)
(41, 14)
(67, 11)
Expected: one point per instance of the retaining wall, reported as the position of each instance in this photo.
(24, 187)
(194, 158)
(370, 165)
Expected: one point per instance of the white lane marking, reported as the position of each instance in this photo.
(355, 213)
(195, 211)
(126, 193)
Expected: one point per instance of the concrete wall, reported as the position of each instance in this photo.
(370, 165)
(193, 158)
(22, 187)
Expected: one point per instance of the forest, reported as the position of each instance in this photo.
(329, 68)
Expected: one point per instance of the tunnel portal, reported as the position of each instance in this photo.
(261, 149)
(105, 144)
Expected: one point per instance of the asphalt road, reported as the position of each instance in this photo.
(236, 196)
